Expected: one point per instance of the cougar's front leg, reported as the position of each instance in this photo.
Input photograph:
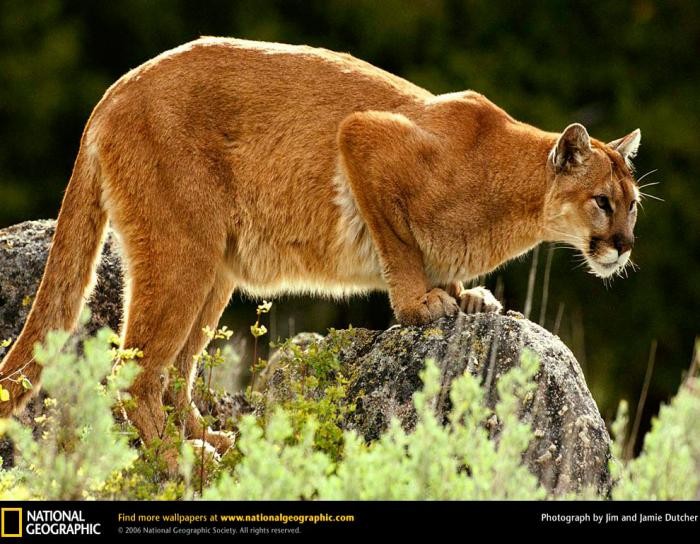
(412, 299)
(419, 306)
(384, 160)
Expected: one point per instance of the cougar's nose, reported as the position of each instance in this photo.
(623, 243)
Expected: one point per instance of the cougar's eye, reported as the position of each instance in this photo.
(603, 202)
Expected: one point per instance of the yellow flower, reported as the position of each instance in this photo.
(258, 330)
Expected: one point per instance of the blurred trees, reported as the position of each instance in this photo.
(614, 66)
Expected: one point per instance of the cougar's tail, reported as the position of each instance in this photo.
(69, 272)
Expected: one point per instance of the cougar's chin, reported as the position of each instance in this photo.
(602, 270)
(606, 265)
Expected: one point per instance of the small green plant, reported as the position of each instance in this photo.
(318, 390)
(209, 361)
(16, 377)
(257, 330)
(79, 446)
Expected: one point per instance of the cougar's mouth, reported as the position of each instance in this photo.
(606, 263)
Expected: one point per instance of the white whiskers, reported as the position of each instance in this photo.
(649, 173)
(647, 195)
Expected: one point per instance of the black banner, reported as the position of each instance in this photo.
(146, 521)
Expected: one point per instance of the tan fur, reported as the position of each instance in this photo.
(226, 164)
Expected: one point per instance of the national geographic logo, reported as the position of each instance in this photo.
(18, 522)
(11, 523)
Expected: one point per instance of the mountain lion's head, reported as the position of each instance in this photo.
(592, 203)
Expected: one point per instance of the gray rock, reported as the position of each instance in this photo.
(24, 249)
(571, 448)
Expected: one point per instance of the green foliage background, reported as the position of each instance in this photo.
(614, 66)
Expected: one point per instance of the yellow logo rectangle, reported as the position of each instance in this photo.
(3, 516)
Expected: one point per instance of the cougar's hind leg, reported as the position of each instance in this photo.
(169, 281)
(181, 396)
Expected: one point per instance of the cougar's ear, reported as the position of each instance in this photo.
(627, 146)
(571, 149)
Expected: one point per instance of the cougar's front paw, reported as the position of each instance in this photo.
(478, 299)
(435, 304)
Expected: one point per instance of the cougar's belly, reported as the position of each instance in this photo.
(271, 269)
(325, 251)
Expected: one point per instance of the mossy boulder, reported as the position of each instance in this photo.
(571, 447)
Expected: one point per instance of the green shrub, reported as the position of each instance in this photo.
(318, 389)
(298, 451)
(79, 446)
(669, 465)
